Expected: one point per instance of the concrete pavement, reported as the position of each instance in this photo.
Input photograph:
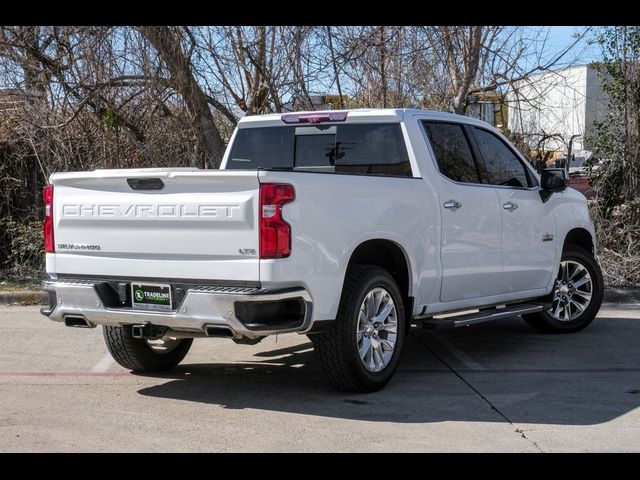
(491, 387)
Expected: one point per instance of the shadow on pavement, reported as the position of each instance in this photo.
(584, 378)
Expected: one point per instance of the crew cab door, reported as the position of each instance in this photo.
(528, 227)
(471, 218)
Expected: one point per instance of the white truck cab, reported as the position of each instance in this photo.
(347, 226)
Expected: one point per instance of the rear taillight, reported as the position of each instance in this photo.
(275, 233)
(47, 227)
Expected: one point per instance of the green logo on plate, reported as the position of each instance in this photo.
(139, 295)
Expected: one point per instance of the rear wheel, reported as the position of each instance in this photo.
(141, 355)
(361, 350)
(576, 297)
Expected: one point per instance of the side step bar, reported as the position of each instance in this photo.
(481, 316)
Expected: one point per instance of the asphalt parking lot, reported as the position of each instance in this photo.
(493, 387)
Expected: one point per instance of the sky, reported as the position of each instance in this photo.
(562, 37)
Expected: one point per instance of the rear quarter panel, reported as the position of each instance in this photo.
(334, 213)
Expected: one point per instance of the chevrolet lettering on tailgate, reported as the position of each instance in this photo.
(141, 210)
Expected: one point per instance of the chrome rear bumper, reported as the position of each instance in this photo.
(201, 306)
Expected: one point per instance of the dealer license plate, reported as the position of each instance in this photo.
(151, 296)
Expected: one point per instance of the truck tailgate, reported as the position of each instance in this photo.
(199, 225)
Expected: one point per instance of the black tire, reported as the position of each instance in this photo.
(546, 323)
(137, 355)
(337, 346)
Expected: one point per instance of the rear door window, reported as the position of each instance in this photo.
(453, 153)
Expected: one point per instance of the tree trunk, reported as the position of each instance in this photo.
(469, 47)
(383, 69)
(169, 49)
(335, 66)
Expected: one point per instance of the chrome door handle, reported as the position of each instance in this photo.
(510, 206)
(452, 204)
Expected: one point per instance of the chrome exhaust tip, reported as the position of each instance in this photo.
(77, 321)
(218, 331)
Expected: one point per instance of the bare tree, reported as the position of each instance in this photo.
(246, 66)
(167, 41)
(462, 49)
(79, 98)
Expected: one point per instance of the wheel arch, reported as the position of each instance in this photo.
(580, 237)
(389, 255)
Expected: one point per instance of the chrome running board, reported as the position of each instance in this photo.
(485, 315)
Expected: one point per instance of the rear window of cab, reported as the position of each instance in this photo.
(360, 149)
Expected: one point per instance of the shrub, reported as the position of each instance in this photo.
(24, 250)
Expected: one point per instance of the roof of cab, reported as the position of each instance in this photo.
(361, 115)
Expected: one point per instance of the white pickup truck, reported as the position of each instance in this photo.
(347, 226)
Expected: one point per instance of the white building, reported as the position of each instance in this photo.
(562, 105)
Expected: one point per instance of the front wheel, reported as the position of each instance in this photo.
(361, 350)
(141, 355)
(576, 297)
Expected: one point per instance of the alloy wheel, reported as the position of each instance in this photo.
(377, 329)
(572, 292)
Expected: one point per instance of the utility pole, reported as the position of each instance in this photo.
(569, 152)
